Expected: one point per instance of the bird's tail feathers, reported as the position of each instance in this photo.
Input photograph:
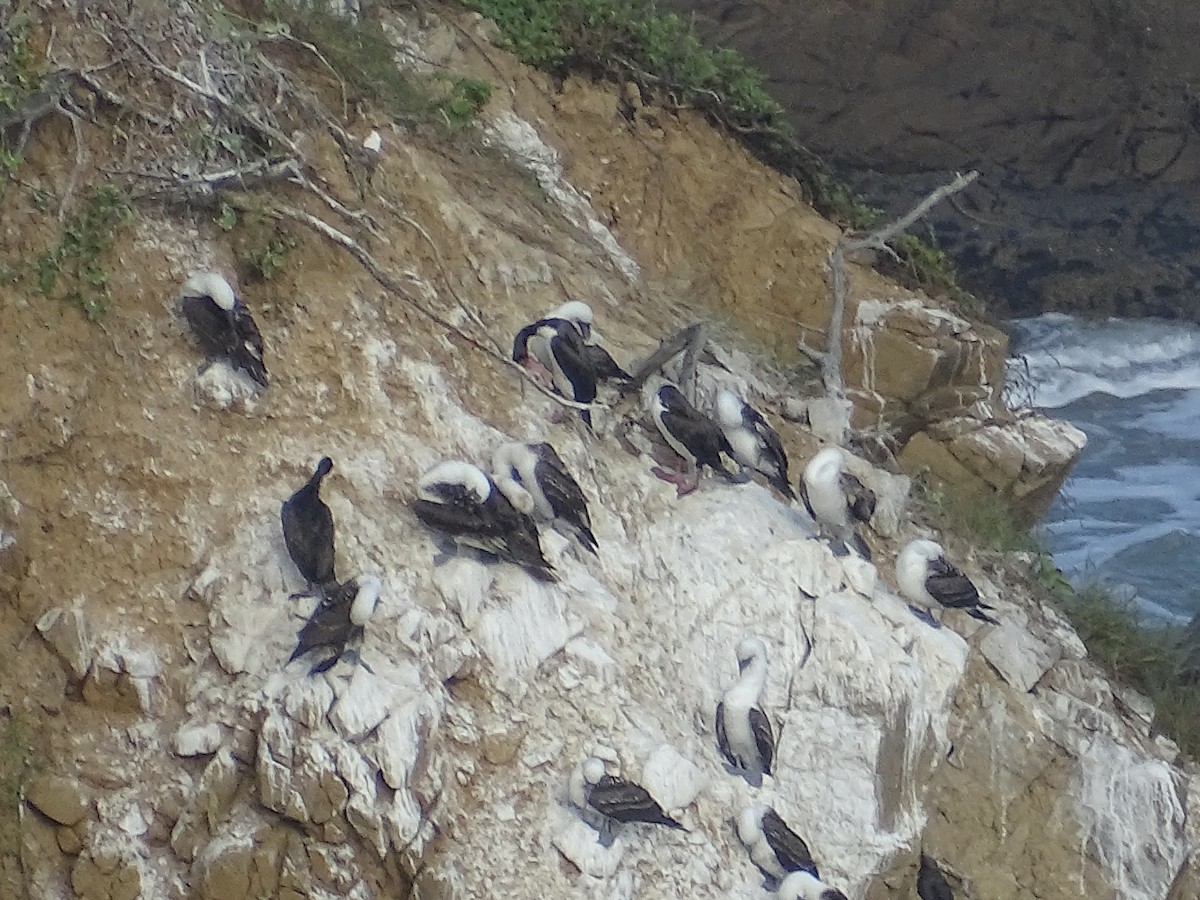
(976, 613)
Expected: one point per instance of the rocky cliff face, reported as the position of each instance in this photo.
(146, 583)
(1081, 118)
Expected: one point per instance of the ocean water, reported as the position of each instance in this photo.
(1130, 513)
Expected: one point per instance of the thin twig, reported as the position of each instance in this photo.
(80, 159)
(392, 285)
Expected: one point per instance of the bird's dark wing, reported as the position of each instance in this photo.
(453, 518)
(517, 537)
(789, 847)
(764, 737)
(329, 625)
(860, 499)
(931, 883)
(625, 801)
(211, 325)
(832, 894)
(247, 351)
(699, 434)
(603, 366)
(723, 738)
(950, 587)
(774, 447)
(564, 493)
(804, 499)
(568, 349)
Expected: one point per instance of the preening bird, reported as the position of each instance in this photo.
(599, 360)
(931, 883)
(308, 530)
(535, 480)
(773, 846)
(555, 347)
(691, 434)
(338, 622)
(222, 323)
(928, 580)
(462, 502)
(836, 499)
(806, 886)
(756, 445)
(744, 733)
(616, 799)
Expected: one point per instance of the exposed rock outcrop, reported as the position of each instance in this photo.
(208, 766)
(1080, 117)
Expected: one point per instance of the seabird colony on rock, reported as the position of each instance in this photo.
(691, 434)
(308, 531)
(756, 445)
(462, 502)
(836, 499)
(222, 324)
(773, 846)
(806, 886)
(931, 883)
(929, 581)
(617, 800)
(744, 733)
(339, 622)
(535, 481)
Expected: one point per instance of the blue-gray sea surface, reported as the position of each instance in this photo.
(1130, 513)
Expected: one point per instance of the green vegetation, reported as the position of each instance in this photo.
(1156, 661)
(1162, 663)
(75, 270)
(260, 241)
(467, 97)
(22, 72)
(364, 61)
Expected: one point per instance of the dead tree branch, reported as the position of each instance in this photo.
(831, 360)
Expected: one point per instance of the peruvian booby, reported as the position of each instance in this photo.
(617, 800)
(222, 323)
(690, 433)
(773, 847)
(339, 621)
(557, 347)
(308, 530)
(806, 886)
(932, 583)
(461, 501)
(836, 499)
(756, 445)
(603, 366)
(744, 733)
(536, 472)
(931, 883)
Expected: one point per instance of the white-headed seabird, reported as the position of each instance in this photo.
(932, 583)
(338, 622)
(836, 499)
(744, 733)
(222, 323)
(931, 883)
(461, 501)
(756, 445)
(603, 366)
(690, 433)
(535, 471)
(773, 847)
(557, 347)
(806, 886)
(308, 530)
(617, 800)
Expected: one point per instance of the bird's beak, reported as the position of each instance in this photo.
(742, 663)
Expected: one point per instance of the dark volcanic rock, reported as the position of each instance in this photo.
(1080, 116)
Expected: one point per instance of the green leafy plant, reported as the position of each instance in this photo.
(261, 243)
(16, 755)
(467, 97)
(75, 270)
